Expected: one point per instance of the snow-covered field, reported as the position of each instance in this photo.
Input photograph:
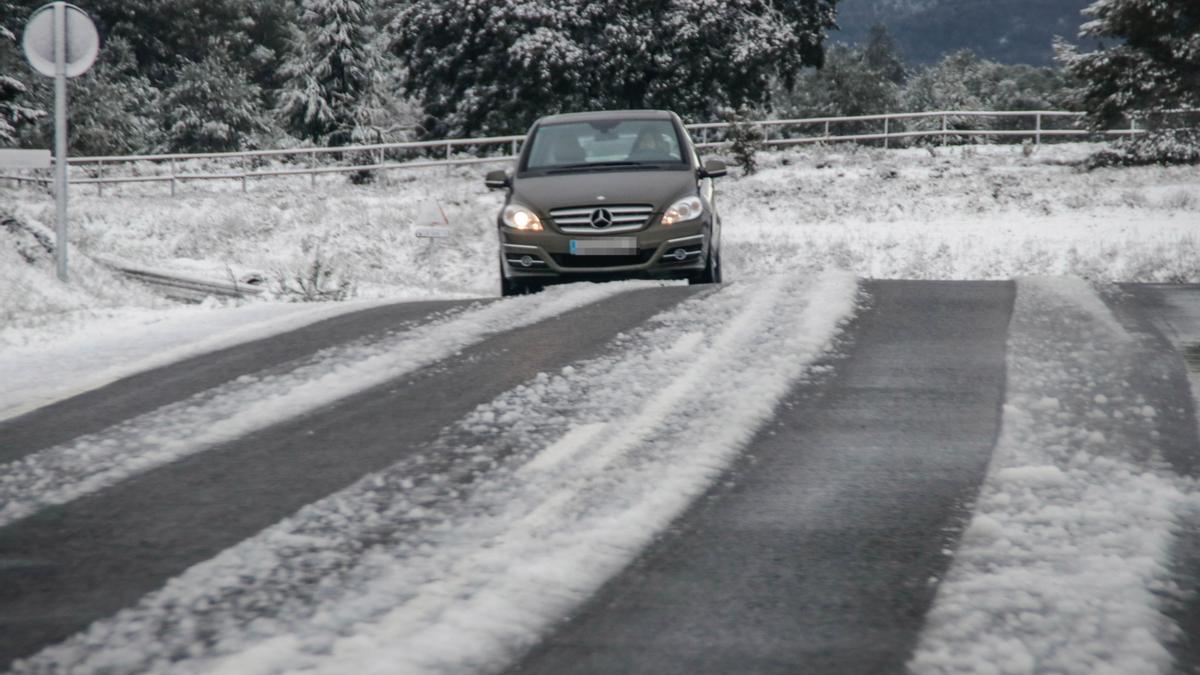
(973, 212)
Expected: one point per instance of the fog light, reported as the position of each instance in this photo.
(526, 261)
(679, 254)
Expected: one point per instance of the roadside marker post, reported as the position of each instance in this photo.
(432, 223)
(60, 41)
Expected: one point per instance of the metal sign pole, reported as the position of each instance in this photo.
(60, 41)
(60, 136)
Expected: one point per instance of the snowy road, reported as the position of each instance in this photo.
(787, 474)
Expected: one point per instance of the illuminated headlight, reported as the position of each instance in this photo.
(521, 218)
(685, 209)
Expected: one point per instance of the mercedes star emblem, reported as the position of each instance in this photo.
(601, 218)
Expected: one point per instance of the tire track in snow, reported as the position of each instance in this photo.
(1064, 564)
(251, 402)
(552, 488)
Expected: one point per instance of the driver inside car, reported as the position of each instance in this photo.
(650, 145)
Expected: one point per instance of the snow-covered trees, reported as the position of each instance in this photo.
(853, 81)
(211, 107)
(15, 111)
(492, 67)
(331, 71)
(1153, 66)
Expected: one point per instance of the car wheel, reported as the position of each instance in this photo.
(509, 288)
(711, 274)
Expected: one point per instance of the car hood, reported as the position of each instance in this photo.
(544, 193)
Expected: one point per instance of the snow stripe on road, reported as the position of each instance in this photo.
(48, 370)
(143, 392)
(815, 553)
(1062, 564)
(65, 567)
(251, 402)
(462, 569)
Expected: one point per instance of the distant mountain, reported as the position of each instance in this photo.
(1009, 31)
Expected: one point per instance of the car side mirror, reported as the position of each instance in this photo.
(497, 180)
(713, 168)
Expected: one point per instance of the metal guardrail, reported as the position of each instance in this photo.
(182, 287)
(944, 125)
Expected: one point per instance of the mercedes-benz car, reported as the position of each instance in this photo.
(602, 195)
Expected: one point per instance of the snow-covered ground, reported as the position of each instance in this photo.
(972, 212)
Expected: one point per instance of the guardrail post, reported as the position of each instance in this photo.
(1037, 135)
(826, 128)
(244, 174)
(1132, 125)
(99, 179)
(945, 137)
(514, 147)
(886, 132)
(173, 176)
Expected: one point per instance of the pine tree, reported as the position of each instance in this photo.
(846, 85)
(114, 107)
(212, 107)
(882, 56)
(15, 109)
(493, 67)
(331, 71)
(1154, 65)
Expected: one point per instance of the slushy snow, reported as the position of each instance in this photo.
(1064, 564)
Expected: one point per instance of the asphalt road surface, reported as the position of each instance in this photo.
(818, 558)
(819, 550)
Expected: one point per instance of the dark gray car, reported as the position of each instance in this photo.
(602, 195)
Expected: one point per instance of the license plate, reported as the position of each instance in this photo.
(605, 246)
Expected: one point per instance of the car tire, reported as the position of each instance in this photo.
(511, 287)
(711, 274)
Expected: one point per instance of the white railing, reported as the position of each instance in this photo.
(241, 166)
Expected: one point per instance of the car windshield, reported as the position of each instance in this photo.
(604, 143)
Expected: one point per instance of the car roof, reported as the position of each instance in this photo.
(606, 114)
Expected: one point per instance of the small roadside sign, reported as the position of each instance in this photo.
(25, 159)
(60, 41)
(432, 232)
(60, 22)
(431, 222)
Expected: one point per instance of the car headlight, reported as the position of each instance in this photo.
(688, 208)
(521, 218)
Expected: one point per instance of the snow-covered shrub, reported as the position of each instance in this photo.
(745, 140)
(1163, 146)
(321, 279)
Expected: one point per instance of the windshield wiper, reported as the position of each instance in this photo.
(602, 165)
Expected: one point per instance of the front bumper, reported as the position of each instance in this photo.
(661, 252)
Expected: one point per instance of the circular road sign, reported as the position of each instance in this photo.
(82, 40)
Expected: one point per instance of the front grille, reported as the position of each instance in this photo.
(577, 261)
(624, 217)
